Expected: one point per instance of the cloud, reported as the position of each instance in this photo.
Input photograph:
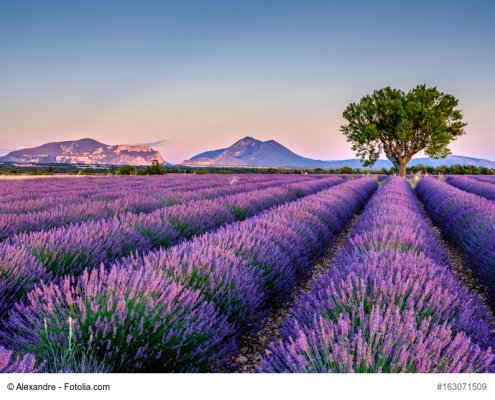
(156, 143)
(159, 142)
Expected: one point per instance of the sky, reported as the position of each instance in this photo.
(191, 75)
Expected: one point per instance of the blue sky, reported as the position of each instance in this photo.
(195, 75)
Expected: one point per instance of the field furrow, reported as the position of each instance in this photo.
(45, 256)
(390, 303)
(468, 221)
(110, 204)
(181, 309)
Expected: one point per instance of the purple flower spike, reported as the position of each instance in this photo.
(389, 304)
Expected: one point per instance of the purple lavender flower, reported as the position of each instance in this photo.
(19, 272)
(484, 189)
(242, 266)
(467, 220)
(11, 364)
(128, 319)
(389, 304)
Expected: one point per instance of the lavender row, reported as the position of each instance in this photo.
(467, 220)
(135, 202)
(485, 178)
(162, 192)
(30, 258)
(180, 309)
(389, 304)
(273, 249)
(40, 194)
(486, 190)
(28, 197)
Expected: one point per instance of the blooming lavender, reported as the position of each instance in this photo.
(389, 304)
(71, 249)
(485, 178)
(75, 205)
(467, 220)
(124, 318)
(11, 364)
(468, 184)
(19, 272)
(242, 266)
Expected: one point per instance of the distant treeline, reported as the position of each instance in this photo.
(158, 169)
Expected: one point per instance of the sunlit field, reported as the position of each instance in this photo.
(248, 273)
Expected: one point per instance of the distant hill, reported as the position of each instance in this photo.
(256, 153)
(453, 160)
(85, 151)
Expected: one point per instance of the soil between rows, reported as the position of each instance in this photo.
(461, 267)
(254, 344)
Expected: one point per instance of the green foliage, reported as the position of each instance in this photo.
(155, 168)
(402, 124)
(452, 170)
(127, 170)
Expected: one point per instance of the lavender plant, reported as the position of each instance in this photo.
(19, 272)
(467, 220)
(243, 265)
(468, 184)
(389, 304)
(124, 318)
(12, 364)
(71, 249)
(43, 211)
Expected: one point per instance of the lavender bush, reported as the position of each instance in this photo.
(122, 319)
(389, 304)
(77, 205)
(11, 364)
(243, 265)
(19, 272)
(484, 189)
(485, 178)
(469, 221)
(71, 249)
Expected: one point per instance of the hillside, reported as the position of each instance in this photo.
(85, 151)
(251, 152)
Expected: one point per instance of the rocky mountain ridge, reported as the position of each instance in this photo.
(85, 151)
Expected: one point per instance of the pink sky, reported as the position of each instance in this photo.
(307, 124)
(202, 74)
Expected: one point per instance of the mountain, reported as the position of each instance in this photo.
(254, 153)
(85, 151)
(453, 160)
(251, 152)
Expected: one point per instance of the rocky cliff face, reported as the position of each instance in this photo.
(85, 151)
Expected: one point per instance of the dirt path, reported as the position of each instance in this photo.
(254, 344)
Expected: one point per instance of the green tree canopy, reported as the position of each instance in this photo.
(402, 124)
(155, 168)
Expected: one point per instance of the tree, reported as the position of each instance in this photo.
(127, 170)
(155, 168)
(402, 124)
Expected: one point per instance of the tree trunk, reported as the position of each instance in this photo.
(402, 168)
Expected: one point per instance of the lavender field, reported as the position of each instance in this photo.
(251, 273)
